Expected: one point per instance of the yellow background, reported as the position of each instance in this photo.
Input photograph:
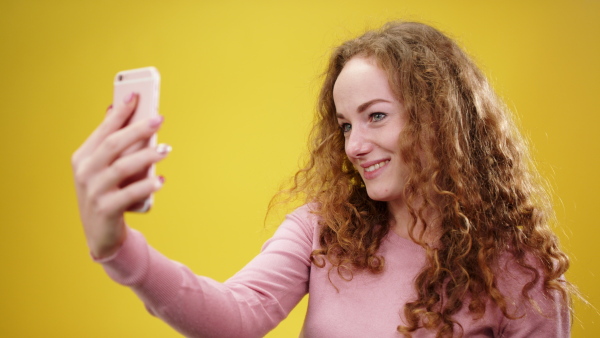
(239, 81)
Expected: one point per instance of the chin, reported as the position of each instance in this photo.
(378, 196)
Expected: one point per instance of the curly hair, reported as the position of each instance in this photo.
(472, 167)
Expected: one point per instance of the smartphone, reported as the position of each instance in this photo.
(146, 83)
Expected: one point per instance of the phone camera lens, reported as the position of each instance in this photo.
(120, 77)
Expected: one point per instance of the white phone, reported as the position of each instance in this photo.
(146, 83)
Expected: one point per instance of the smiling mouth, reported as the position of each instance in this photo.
(376, 166)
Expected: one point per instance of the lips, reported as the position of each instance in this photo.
(376, 166)
(373, 168)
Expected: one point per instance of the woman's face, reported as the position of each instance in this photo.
(371, 118)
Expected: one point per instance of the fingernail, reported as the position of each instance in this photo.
(129, 98)
(156, 121)
(109, 108)
(159, 182)
(163, 149)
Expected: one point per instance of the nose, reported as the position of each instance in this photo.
(358, 143)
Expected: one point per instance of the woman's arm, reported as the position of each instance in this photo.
(249, 304)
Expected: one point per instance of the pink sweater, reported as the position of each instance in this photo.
(258, 297)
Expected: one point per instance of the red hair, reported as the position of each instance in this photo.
(475, 172)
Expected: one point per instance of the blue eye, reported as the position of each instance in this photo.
(377, 116)
(346, 127)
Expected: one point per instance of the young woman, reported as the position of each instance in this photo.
(423, 214)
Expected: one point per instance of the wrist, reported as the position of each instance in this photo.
(108, 248)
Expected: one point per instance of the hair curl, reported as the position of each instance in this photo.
(473, 168)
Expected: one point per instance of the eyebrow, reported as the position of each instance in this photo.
(364, 106)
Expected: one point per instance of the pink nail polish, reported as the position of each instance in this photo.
(129, 98)
(109, 108)
(156, 121)
(161, 179)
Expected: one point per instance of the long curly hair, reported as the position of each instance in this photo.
(472, 168)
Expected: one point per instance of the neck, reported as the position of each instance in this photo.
(400, 218)
(401, 221)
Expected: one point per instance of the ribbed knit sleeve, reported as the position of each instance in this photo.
(249, 304)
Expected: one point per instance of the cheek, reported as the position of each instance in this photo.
(392, 142)
(347, 151)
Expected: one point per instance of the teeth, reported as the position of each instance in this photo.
(376, 166)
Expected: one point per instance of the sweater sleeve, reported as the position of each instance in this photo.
(249, 304)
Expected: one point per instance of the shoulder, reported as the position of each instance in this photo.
(305, 213)
(304, 217)
(517, 274)
(299, 226)
(534, 308)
